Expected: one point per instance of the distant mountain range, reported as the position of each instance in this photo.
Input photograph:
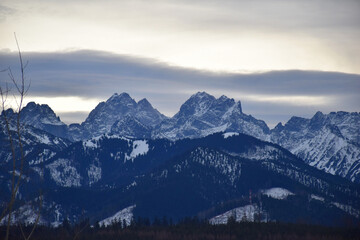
(330, 142)
(209, 160)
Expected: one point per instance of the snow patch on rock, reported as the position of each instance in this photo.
(26, 214)
(277, 193)
(94, 174)
(64, 174)
(316, 197)
(140, 147)
(91, 143)
(230, 134)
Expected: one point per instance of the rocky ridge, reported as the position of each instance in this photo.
(330, 142)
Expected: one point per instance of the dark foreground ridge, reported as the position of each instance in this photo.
(191, 228)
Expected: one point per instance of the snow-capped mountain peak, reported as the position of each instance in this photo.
(34, 114)
(121, 99)
(201, 95)
(119, 108)
(329, 142)
(203, 114)
(144, 104)
(196, 105)
(41, 116)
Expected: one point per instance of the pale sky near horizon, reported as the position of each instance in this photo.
(191, 39)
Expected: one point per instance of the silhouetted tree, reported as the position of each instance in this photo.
(15, 142)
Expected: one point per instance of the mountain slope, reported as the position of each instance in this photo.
(203, 114)
(130, 126)
(329, 142)
(38, 147)
(41, 116)
(183, 178)
(117, 108)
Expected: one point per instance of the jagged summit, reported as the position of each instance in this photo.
(196, 104)
(121, 99)
(225, 99)
(203, 114)
(38, 108)
(116, 108)
(278, 127)
(329, 142)
(200, 95)
(296, 123)
(41, 116)
(114, 96)
(144, 103)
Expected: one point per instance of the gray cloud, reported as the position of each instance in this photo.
(5, 11)
(265, 15)
(95, 74)
(243, 34)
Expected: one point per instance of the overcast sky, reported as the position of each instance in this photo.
(81, 52)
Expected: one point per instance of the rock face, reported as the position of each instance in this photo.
(44, 118)
(329, 142)
(203, 114)
(199, 116)
(130, 126)
(118, 108)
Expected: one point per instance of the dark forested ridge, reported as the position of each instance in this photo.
(204, 177)
(190, 228)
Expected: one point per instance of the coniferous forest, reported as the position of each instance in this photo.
(188, 228)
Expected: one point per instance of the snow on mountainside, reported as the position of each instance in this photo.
(277, 193)
(245, 213)
(38, 145)
(86, 163)
(64, 174)
(220, 162)
(203, 114)
(116, 110)
(140, 147)
(329, 142)
(230, 134)
(130, 126)
(251, 211)
(41, 117)
(181, 178)
(26, 214)
(125, 214)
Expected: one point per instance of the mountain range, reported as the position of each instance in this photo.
(209, 160)
(330, 142)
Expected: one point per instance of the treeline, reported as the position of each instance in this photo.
(189, 228)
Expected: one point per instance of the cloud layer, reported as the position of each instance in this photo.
(86, 77)
(232, 35)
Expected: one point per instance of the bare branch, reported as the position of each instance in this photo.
(22, 231)
(38, 217)
(81, 230)
(16, 179)
(35, 223)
